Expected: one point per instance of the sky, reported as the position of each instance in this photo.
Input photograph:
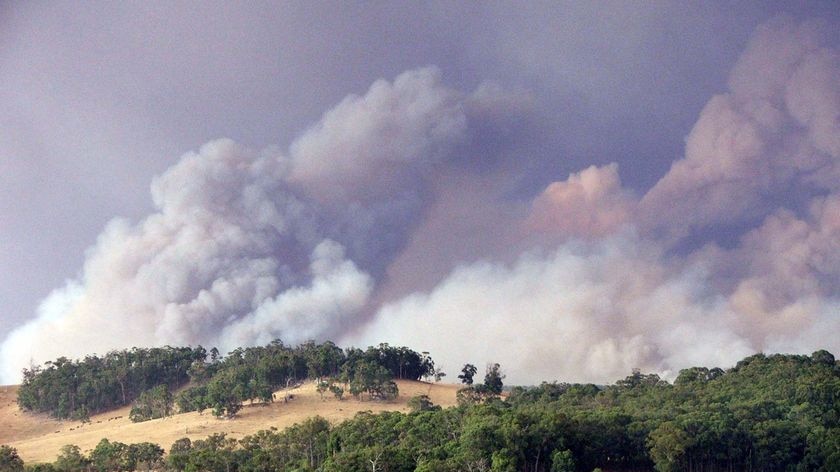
(570, 189)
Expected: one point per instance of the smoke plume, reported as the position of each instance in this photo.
(249, 246)
(619, 283)
(375, 225)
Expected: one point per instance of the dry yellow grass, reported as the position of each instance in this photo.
(38, 438)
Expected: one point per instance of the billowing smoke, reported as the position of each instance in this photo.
(620, 282)
(248, 246)
(589, 203)
(374, 227)
(773, 140)
(588, 312)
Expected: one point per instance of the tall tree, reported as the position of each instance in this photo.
(467, 374)
(493, 378)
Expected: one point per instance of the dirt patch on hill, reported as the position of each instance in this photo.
(38, 438)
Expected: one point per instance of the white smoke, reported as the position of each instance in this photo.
(250, 246)
(776, 133)
(764, 155)
(583, 312)
(589, 203)
(585, 282)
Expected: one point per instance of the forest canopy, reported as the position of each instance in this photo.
(767, 413)
(78, 388)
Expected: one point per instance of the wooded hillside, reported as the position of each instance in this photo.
(77, 389)
(767, 413)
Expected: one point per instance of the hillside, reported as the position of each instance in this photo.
(775, 413)
(37, 437)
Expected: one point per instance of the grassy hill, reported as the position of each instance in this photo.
(38, 437)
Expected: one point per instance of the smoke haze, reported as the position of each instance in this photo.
(397, 217)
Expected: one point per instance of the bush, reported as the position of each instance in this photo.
(419, 403)
(152, 404)
(10, 460)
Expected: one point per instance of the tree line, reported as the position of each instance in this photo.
(254, 373)
(75, 389)
(147, 377)
(767, 413)
(107, 456)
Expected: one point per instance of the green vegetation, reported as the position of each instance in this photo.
(107, 456)
(76, 389)
(768, 413)
(10, 461)
(151, 404)
(116, 456)
(70, 459)
(478, 393)
(467, 374)
(419, 403)
(254, 373)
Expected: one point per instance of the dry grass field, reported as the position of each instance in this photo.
(38, 438)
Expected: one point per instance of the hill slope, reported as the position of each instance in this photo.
(38, 437)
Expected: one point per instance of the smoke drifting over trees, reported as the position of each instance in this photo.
(584, 280)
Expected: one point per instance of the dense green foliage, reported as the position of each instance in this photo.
(479, 393)
(768, 413)
(116, 456)
(10, 461)
(107, 456)
(76, 389)
(71, 459)
(467, 374)
(254, 373)
(153, 403)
